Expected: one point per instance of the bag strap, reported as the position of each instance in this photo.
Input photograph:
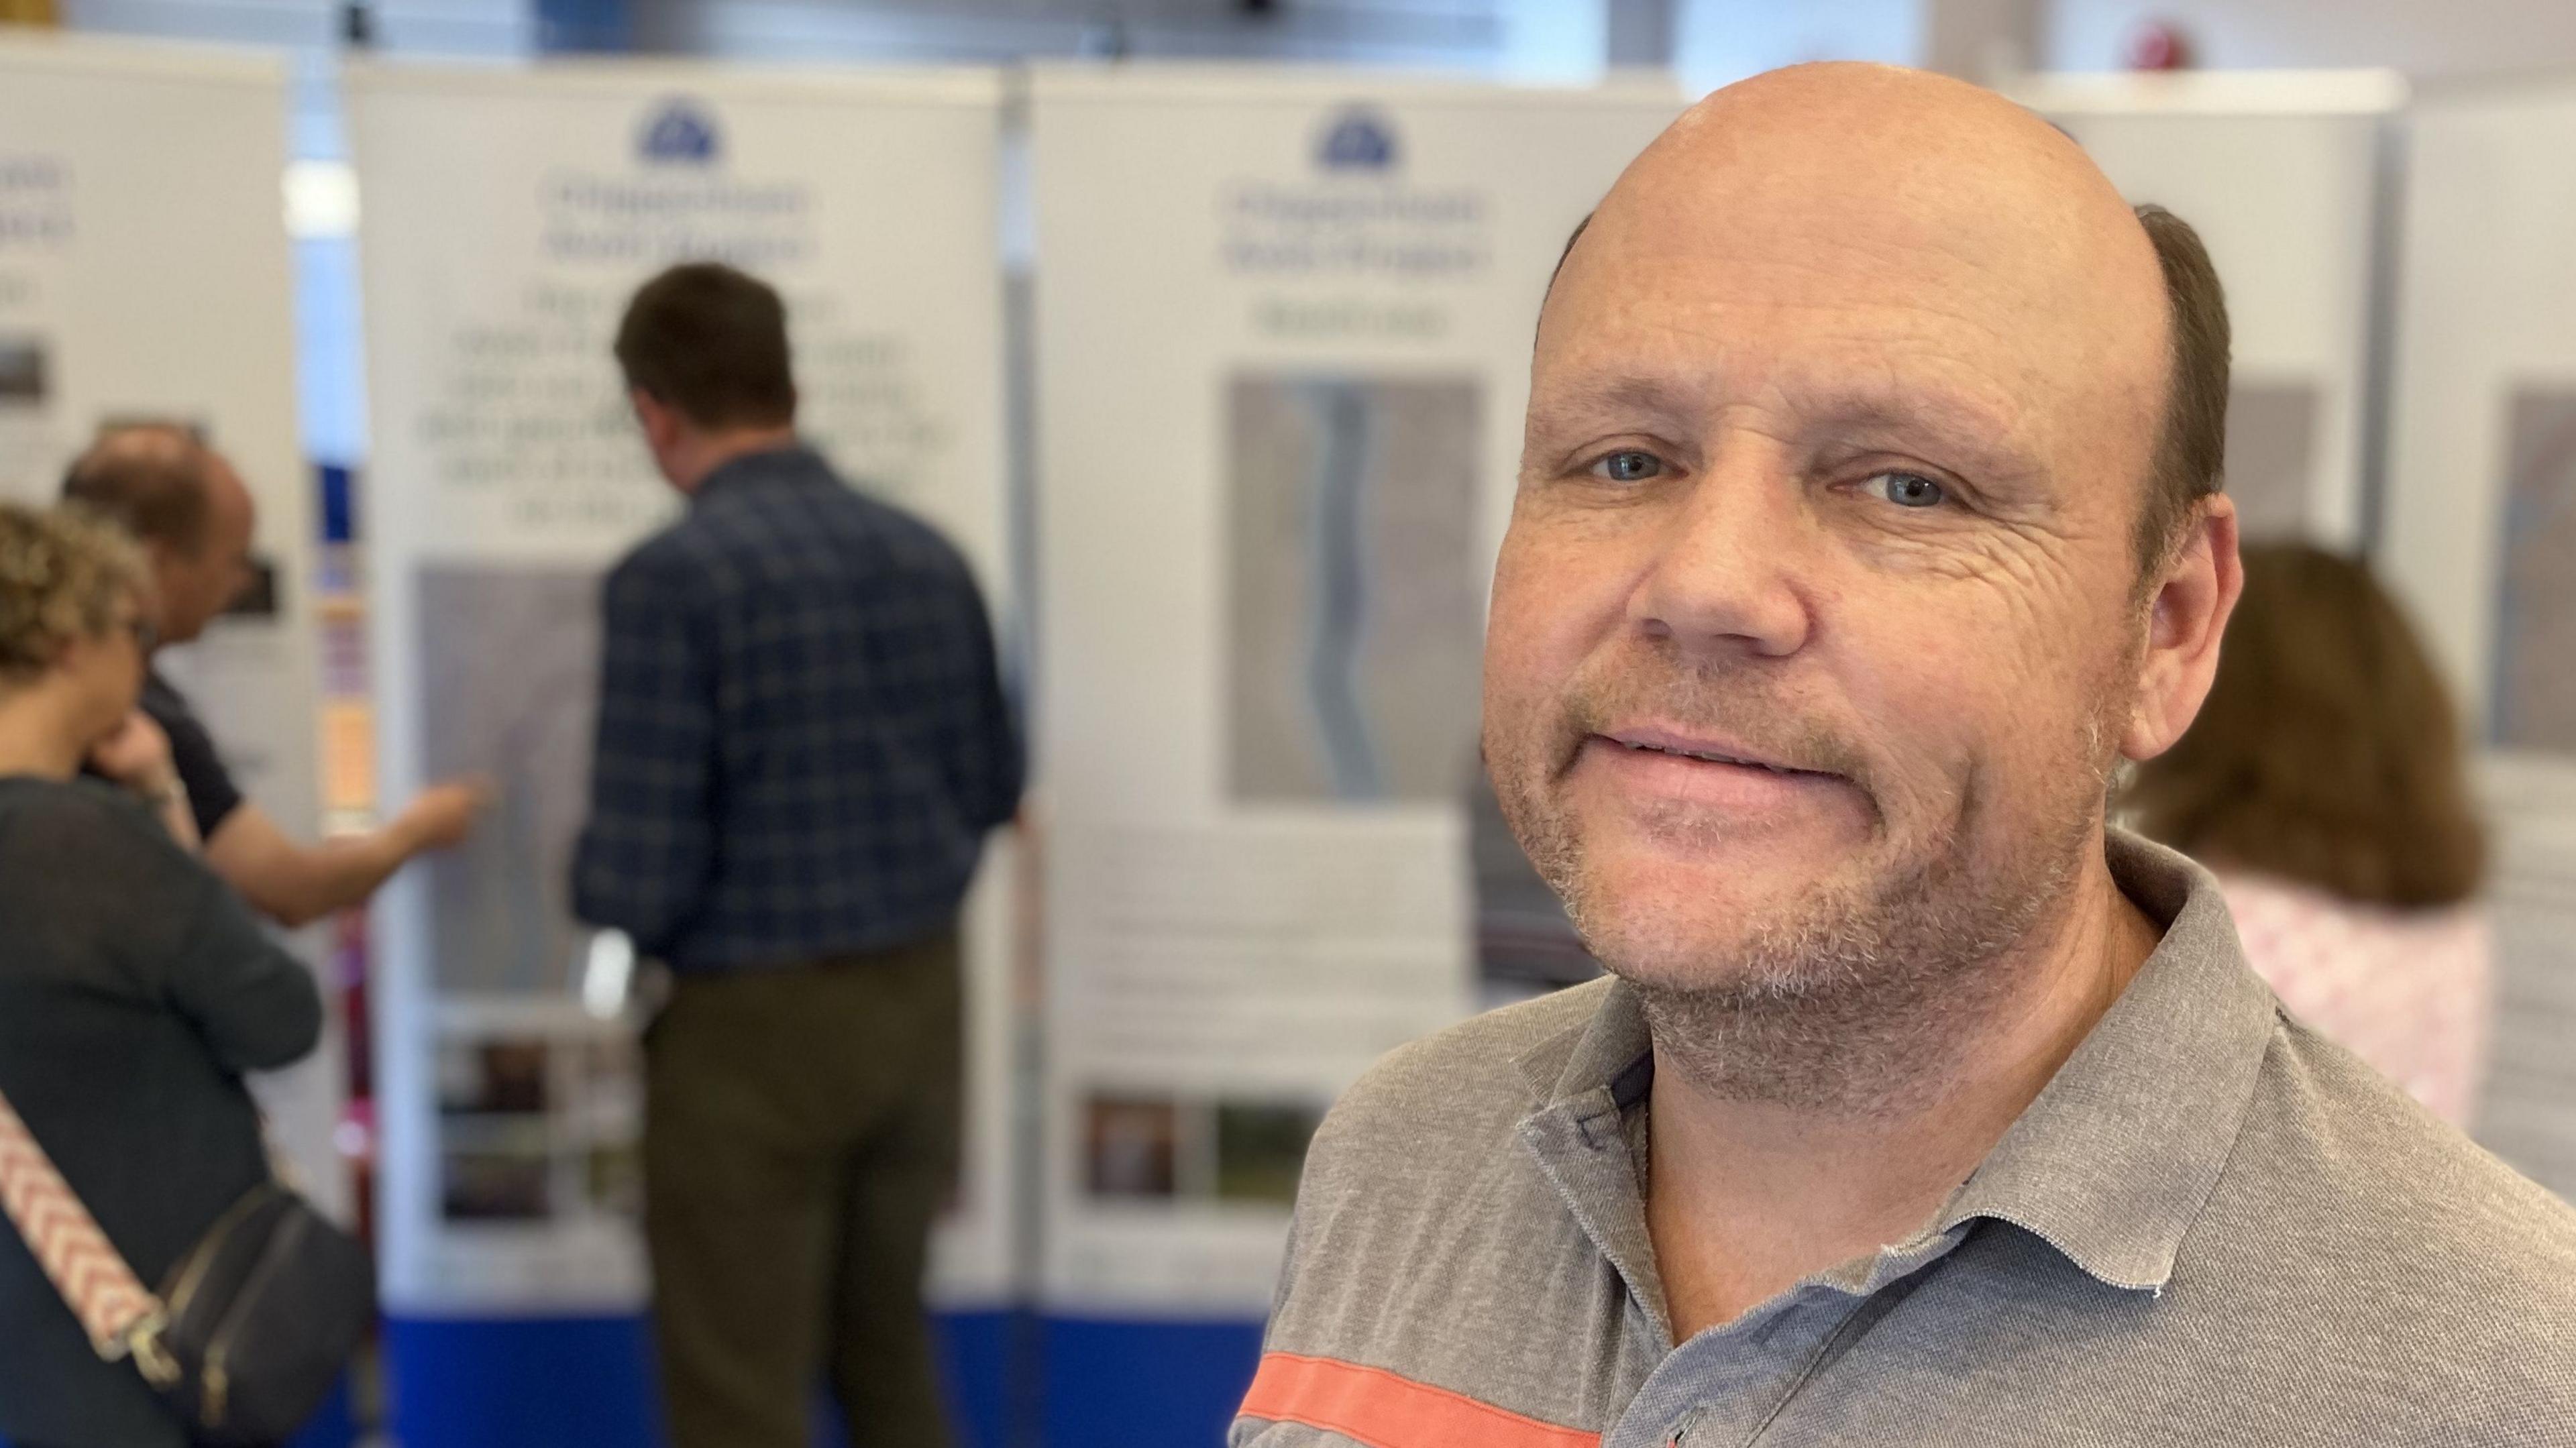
(116, 1311)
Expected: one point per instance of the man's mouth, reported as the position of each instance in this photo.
(1707, 751)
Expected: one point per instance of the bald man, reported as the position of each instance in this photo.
(188, 507)
(1867, 521)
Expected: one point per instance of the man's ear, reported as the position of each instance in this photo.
(654, 416)
(2187, 615)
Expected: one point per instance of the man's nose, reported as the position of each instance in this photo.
(1731, 569)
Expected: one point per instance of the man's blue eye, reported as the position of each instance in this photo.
(1907, 490)
(1629, 466)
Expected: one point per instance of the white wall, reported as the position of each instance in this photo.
(1716, 42)
(451, 27)
(2456, 38)
(1427, 33)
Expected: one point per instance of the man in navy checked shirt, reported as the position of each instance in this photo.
(802, 743)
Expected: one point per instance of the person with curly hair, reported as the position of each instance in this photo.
(135, 988)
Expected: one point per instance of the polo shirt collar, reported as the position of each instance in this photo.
(2115, 1158)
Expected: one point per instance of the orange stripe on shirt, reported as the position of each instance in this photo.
(1384, 1410)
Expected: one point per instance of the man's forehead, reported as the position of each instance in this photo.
(1685, 342)
(1854, 203)
(1984, 345)
(235, 512)
(1709, 264)
(226, 483)
(1852, 393)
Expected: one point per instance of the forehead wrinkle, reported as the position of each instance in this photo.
(1690, 294)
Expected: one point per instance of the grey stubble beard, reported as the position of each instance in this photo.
(1862, 1009)
(1864, 1003)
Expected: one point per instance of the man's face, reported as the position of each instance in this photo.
(1817, 622)
(196, 586)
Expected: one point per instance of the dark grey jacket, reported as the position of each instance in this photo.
(135, 990)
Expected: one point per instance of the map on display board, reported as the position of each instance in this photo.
(510, 214)
(144, 277)
(1279, 432)
(521, 716)
(1356, 623)
(2271, 458)
(2535, 615)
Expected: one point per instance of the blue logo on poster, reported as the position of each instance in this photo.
(680, 132)
(1359, 139)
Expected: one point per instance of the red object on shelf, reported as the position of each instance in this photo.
(2159, 45)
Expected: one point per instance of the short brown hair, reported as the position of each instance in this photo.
(2190, 458)
(2328, 752)
(711, 343)
(149, 478)
(62, 574)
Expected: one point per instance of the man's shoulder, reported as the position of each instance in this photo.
(2391, 1231)
(677, 548)
(909, 539)
(1416, 1175)
(2325, 1121)
(808, 510)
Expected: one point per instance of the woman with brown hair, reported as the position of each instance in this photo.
(2324, 783)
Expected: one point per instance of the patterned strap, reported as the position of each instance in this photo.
(86, 1269)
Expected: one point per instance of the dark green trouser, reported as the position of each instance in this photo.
(800, 1133)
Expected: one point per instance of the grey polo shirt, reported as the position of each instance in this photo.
(2212, 1227)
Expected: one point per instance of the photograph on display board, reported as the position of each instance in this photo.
(22, 372)
(2535, 632)
(1231, 1150)
(1131, 1147)
(2271, 458)
(510, 679)
(1356, 616)
(494, 1077)
(605, 1126)
(26, 442)
(495, 1161)
(1261, 1149)
(259, 596)
(539, 1127)
(495, 1175)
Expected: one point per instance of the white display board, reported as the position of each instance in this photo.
(2282, 176)
(506, 217)
(2481, 541)
(144, 276)
(1283, 325)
